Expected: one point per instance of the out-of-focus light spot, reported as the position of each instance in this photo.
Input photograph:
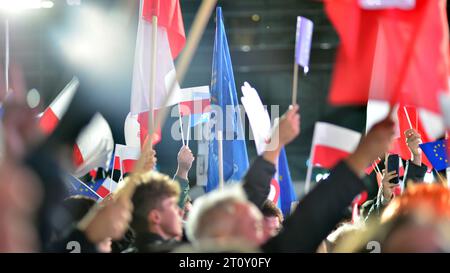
(429, 177)
(256, 17)
(319, 177)
(47, 4)
(15, 6)
(325, 45)
(33, 98)
(73, 2)
(267, 27)
(246, 48)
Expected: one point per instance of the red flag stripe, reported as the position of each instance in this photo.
(328, 157)
(48, 121)
(194, 107)
(170, 17)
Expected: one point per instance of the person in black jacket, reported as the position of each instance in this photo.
(321, 209)
(414, 173)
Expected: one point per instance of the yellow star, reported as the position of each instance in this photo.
(439, 145)
(436, 155)
(281, 177)
(440, 158)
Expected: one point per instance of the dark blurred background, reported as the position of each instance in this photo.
(261, 36)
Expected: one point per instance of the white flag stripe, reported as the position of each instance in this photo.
(444, 100)
(132, 130)
(330, 135)
(141, 73)
(432, 123)
(258, 116)
(377, 110)
(200, 92)
(127, 152)
(90, 139)
(60, 104)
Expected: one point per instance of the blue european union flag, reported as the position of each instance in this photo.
(436, 153)
(77, 187)
(287, 192)
(223, 94)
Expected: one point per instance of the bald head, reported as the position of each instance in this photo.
(225, 216)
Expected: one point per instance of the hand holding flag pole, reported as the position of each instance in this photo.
(194, 37)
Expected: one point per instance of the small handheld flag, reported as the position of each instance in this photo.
(436, 153)
(303, 42)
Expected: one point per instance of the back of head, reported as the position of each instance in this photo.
(78, 206)
(269, 209)
(152, 189)
(216, 216)
(416, 221)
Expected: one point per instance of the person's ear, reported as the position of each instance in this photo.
(154, 217)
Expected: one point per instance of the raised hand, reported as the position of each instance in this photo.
(375, 144)
(185, 160)
(413, 139)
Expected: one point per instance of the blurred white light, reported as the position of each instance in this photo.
(245, 48)
(14, 6)
(95, 38)
(33, 98)
(47, 4)
(73, 2)
(256, 17)
(319, 177)
(325, 45)
(429, 177)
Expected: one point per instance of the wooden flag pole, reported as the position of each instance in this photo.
(181, 124)
(407, 117)
(220, 155)
(188, 132)
(151, 118)
(198, 27)
(130, 182)
(295, 84)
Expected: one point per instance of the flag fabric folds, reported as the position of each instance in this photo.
(303, 42)
(223, 94)
(125, 157)
(54, 113)
(76, 187)
(397, 55)
(195, 103)
(436, 152)
(170, 17)
(170, 41)
(282, 192)
(332, 143)
(287, 191)
(94, 146)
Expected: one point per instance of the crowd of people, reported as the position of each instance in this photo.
(159, 216)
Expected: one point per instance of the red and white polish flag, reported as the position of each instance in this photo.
(332, 143)
(125, 157)
(54, 113)
(94, 146)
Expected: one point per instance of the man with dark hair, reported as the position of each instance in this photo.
(77, 207)
(272, 221)
(156, 216)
